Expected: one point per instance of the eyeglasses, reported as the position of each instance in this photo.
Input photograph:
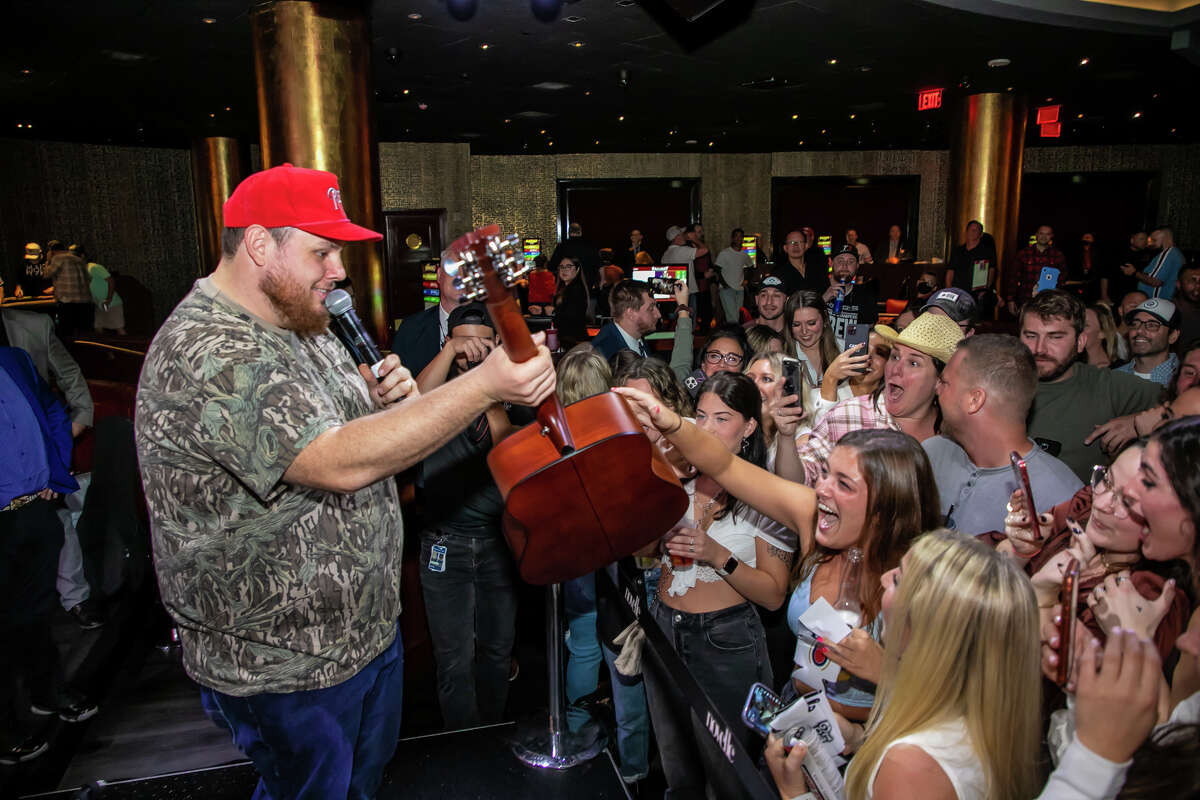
(1148, 325)
(716, 357)
(1102, 482)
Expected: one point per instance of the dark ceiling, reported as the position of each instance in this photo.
(749, 76)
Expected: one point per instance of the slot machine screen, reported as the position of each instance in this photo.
(532, 247)
(750, 248)
(430, 293)
(826, 244)
(661, 279)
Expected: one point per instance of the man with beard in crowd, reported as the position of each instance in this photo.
(267, 461)
(769, 301)
(1081, 413)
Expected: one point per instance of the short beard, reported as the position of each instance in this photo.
(1059, 371)
(293, 302)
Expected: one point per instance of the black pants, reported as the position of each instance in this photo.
(74, 319)
(30, 540)
(471, 605)
(726, 652)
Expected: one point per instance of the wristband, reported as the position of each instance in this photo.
(680, 307)
(678, 425)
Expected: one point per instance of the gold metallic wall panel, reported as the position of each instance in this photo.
(985, 170)
(217, 169)
(312, 63)
(417, 175)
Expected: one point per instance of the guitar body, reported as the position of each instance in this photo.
(567, 515)
(582, 486)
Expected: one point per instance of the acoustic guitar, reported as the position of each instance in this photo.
(582, 486)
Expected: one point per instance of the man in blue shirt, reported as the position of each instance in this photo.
(1158, 279)
(34, 470)
(1153, 330)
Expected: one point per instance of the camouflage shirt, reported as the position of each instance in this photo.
(275, 587)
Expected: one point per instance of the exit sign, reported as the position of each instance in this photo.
(928, 99)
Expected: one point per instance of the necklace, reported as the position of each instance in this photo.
(705, 519)
(1108, 565)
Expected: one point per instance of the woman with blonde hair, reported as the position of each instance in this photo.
(781, 423)
(582, 373)
(953, 715)
(1103, 348)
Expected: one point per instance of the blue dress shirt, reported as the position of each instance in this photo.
(35, 431)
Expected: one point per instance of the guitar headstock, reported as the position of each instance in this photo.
(475, 255)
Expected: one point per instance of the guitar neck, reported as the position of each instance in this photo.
(514, 333)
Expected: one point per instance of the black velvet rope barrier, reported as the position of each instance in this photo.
(631, 597)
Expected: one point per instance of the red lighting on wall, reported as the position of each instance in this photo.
(1052, 130)
(929, 99)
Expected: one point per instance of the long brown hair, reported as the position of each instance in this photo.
(902, 503)
(805, 298)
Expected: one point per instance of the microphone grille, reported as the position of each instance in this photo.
(338, 302)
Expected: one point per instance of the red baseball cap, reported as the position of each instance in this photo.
(293, 197)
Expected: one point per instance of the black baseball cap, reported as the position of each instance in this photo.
(470, 314)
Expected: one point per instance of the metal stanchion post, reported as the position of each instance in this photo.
(557, 747)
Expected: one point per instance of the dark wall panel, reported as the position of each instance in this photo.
(608, 209)
(130, 207)
(830, 205)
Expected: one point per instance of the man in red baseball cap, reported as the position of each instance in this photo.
(267, 459)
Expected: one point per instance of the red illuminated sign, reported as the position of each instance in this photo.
(928, 99)
(1048, 114)
(1052, 130)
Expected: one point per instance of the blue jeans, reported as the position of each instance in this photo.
(321, 743)
(584, 654)
(472, 611)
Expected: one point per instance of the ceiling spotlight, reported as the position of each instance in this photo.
(801, 142)
(795, 116)
(621, 118)
(1137, 115)
(423, 106)
(406, 91)
(484, 46)
(576, 43)
(588, 93)
(507, 121)
(831, 61)
(207, 20)
(542, 131)
(690, 141)
(26, 72)
(550, 143)
(865, 68)
(823, 131)
(1049, 99)
(229, 108)
(596, 142)
(1083, 62)
(710, 144)
(670, 133)
(998, 62)
(852, 116)
(1079, 116)
(414, 16)
(1009, 89)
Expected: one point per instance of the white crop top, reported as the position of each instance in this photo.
(738, 537)
(949, 744)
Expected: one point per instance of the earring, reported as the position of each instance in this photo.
(745, 444)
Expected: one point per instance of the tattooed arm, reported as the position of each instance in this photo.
(766, 583)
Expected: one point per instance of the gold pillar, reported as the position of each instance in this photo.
(988, 146)
(218, 167)
(312, 65)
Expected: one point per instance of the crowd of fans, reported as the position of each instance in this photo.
(804, 429)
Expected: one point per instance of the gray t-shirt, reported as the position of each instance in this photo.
(974, 498)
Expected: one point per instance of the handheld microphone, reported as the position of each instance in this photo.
(351, 331)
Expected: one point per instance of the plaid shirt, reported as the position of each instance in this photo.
(1160, 374)
(1029, 267)
(69, 274)
(854, 414)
